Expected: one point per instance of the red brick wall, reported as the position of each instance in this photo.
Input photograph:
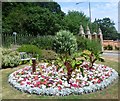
(111, 42)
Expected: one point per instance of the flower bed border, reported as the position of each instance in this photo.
(65, 91)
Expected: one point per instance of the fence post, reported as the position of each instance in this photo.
(33, 65)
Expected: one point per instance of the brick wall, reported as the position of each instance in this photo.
(112, 43)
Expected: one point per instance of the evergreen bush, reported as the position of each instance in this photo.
(43, 42)
(30, 49)
(65, 42)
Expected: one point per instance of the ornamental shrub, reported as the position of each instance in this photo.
(117, 48)
(91, 45)
(49, 55)
(31, 50)
(43, 42)
(65, 42)
(81, 42)
(94, 46)
(92, 57)
(105, 47)
(10, 58)
(109, 47)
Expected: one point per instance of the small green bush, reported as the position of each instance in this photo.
(49, 55)
(81, 42)
(65, 42)
(30, 49)
(117, 48)
(105, 47)
(87, 44)
(109, 47)
(43, 42)
(94, 46)
(10, 58)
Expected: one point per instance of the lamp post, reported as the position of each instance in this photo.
(89, 9)
(14, 33)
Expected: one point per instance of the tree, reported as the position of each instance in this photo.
(31, 18)
(73, 20)
(108, 28)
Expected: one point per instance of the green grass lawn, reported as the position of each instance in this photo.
(9, 92)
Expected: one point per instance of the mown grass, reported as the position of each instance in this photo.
(9, 92)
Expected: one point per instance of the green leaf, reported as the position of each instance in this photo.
(73, 63)
(101, 59)
(82, 71)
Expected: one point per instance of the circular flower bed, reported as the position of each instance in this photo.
(48, 81)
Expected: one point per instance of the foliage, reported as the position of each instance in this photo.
(54, 7)
(92, 57)
(92, 45)
(31, 18)
(48, 55)
(108, 47)
(65, 42)
(30, 49)
(8, 40)
(10, 58)
(43, 42)
(69, 63)
(108, 28)
(24, 55)
(82, 42)
(117, 48)
(73, 20)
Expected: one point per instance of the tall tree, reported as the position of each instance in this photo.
(74, 19)
(108, 28)
(32, 18)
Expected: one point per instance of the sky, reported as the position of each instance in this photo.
(99, 10)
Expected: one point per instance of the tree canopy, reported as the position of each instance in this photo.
(74, 19)
(32, 18)
(108, 28)
(47, 18)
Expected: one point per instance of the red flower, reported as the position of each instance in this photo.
(38, 83)
(25, 79)
(36, 78)
(90, 79)
(105, 66)
(43, 76)
(103, 77)
(28, 83)
(60, 82)
(74, 85)
(59, 88)
(98, 81)
(45, 83)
